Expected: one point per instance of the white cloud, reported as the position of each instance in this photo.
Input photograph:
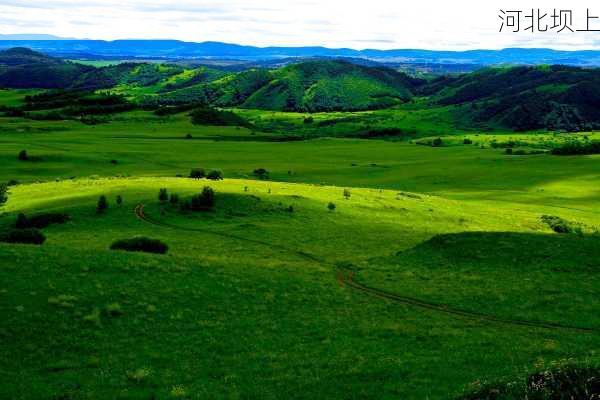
(432, 24)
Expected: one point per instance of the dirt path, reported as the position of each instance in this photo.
(346, 279)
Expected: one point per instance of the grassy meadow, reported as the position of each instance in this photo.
(245, 304)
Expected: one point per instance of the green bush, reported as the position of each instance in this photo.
(102, 205)
(467, 141)
(437, 142)
(560, 225)
(562, 382)
(23, 155)
(331, 206)
(41, 221)
(24, 236)
(215, 175)
(174, 199)
(119, 200)
(3, 193)
(197, 173)
(163, 195)
(261, 173)
(204, 200)
(140, 244)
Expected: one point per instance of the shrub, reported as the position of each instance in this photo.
(331, 206)
(22, 222)
(437, 142)
(102, 205)
(261, 173)
(188, 136)
(3, 193)
(12, 182)
(119, 200)
(204, 200)
(215, 175)
(309, 120)
(23, 155)
(163, 195)
(114, 162)
(559, 382)
(560, 225)
(508, 150)
(347, 194)
(174, 199)
(197, 173)
(141, 244)
(41, 221)
(467, 141)
(24, 236)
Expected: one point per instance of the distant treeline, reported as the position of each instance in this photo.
(577, 148)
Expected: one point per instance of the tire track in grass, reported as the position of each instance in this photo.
(346, 279)
(139, 212)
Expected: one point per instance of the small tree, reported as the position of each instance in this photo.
(215, 175)
(119, 200)
(174, 199)
(331, 206)
(347, 194)
(261, 173)
(23, 155)
(197, 173)
(204, 200)
(163, 195)
(102, 205)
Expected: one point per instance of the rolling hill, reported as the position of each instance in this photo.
(525, 98)
(519, 98)
(24, 68)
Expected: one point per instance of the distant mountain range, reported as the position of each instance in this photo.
(519, 97)
(175, 49)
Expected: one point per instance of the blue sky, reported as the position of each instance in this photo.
(430, 24)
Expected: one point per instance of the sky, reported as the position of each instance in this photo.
(426, 24)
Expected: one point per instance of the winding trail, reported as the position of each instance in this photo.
(346, 279)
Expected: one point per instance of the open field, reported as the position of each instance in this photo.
(253, 298)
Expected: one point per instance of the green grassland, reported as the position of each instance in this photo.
(248, 303)
(236, 307)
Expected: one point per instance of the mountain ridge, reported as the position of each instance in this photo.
(177, 49)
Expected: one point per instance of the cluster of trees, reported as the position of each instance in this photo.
(66, 104)
(213, 175)
(205, 200)
(212, 116)
(577, 148)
